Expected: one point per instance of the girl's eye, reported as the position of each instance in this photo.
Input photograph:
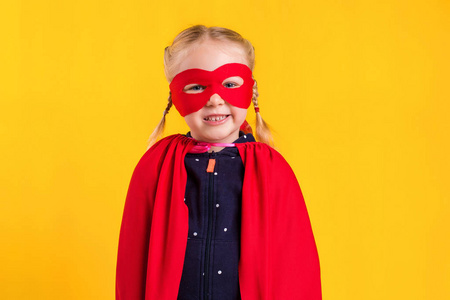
(233, 82)
(197, 88)
(230, 85)
(194, 88)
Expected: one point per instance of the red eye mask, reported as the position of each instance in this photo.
(213, 82)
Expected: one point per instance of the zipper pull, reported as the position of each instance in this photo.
(211, 165)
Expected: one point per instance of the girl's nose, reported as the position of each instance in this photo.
(215, 100)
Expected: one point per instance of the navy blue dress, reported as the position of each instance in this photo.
(214, 201)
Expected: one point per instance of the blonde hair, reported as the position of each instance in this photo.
(182, 43)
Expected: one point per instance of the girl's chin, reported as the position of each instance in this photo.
(218, 138)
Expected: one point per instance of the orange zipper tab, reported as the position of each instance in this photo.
(211, 165)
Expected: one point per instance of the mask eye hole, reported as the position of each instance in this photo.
(193, 88)
(233, 82)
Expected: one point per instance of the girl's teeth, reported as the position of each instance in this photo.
(214, 119)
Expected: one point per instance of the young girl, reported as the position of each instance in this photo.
(213, 214)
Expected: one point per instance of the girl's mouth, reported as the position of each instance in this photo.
(216, 118)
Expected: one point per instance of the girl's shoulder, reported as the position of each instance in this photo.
(166, 148)
(266, 165)
(263, 154)
(175, 140)
(169, 140)
(259, 149)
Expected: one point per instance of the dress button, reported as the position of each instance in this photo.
(215, 173)
(217, 205)
(225, 229)
(195, 233)
(219, 272)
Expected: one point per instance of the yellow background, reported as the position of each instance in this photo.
(357, 92)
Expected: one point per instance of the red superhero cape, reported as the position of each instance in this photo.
(278, 254)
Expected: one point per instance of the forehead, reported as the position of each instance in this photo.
(209, 55)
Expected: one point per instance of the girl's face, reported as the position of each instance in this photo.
(218, 121)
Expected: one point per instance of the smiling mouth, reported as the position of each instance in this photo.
(216, 118)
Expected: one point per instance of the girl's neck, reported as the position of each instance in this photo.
(215, 149)
(202, 147)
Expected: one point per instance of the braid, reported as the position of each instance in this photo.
(162, 123)
(262, 130)
(169, 105)
(255, 96)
